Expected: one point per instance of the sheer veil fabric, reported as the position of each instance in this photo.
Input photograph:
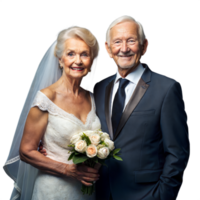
(22, 173)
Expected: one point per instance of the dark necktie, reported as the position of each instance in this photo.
(118, 104)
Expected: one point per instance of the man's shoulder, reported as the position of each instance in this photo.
(162, 79)
(105, 82)
(163, 83)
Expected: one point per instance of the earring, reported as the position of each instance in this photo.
(60, 66)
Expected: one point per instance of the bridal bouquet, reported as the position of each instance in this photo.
(92, 147)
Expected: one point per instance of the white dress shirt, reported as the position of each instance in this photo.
(133, 78)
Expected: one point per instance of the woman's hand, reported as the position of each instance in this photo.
(83, 173)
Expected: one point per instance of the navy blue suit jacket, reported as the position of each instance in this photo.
(153, 137)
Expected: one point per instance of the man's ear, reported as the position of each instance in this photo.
(144, 46)
(108, 49)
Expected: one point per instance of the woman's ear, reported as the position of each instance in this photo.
(60, 63)
(107, 50)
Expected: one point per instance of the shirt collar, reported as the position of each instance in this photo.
(134, 76)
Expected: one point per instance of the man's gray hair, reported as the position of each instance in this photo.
(123, 19)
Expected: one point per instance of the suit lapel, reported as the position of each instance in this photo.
(137, 95)
(108, 96)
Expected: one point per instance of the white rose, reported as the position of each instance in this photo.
(80, 146)
(109, 143)
(88, 133)
(95, 139)
(91, 151)
(103, 152)
(104, 136)
(98, 132)
(75, 138)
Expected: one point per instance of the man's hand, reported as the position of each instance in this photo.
(41, 150)
(83, 173)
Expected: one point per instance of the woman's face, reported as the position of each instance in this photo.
(76, 60)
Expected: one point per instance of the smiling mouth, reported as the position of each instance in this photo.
(125, 56)
(77, 68)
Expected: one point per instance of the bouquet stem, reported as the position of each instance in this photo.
(89, 189)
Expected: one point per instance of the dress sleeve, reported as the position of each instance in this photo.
(41, 102)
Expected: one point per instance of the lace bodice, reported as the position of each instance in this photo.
(61, 126)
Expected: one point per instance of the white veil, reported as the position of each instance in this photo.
(22, 173)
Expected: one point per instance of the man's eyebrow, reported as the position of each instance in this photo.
(131, 37)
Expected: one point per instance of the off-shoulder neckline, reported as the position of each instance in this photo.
(70, 114)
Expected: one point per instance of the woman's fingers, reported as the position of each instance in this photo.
(85, 168)
(84, 174)
(86, 183)
(87, 174)
(85, 178)
(90, 177)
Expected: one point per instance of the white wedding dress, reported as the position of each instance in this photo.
(61, 126)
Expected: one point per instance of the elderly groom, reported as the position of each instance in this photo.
(144, 114)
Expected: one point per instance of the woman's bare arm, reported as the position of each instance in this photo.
(35, 127)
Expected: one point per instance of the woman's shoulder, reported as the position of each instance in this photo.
(49, 93)
(43, 99)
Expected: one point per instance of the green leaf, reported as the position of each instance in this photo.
(87, 139)
(77, 153)
(116, 151)
(71, 156)
(79, 159)
(71, 145)
(103, 143)
(117, 158)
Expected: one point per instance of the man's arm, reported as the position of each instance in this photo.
(175, 142)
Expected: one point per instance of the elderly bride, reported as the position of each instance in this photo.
(57, 112)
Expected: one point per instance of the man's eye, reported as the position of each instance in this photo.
(131, 41)
(70, 54)
(117, 42)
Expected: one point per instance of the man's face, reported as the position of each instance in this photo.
(125, 47)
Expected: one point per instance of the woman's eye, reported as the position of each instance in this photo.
(85, 55)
